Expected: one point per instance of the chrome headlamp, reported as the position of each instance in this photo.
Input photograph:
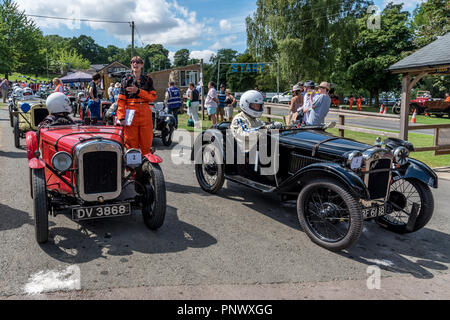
(62, 161)
(355, 160)
(401, 155)
(133, 158)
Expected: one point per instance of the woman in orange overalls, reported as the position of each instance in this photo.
(350, 100)
(358, 103)
(135, 95)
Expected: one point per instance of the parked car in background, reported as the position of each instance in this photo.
(284, 97)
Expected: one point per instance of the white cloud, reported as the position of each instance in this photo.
(225, 25)
(157, 21)
(202, 54)
(224, 42)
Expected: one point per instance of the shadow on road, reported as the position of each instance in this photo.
(13, 155)
(123, 236)
(11, 218)
(412, 253)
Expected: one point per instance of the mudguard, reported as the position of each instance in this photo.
(32, 144)
(417, 170)
(36, 163)
(170, 120)
(347, 177)
(153, 158)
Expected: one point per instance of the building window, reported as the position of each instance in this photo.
(187, 76)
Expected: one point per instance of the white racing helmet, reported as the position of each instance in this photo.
(81, 95)
(58, 102)
(27, 92)
(18, 92)
(252, 103)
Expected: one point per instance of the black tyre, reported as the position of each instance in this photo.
(166, 135)
(396, 109)
(403, 194)
(329, 214)
(40, 206)
(16, 132)
(154, 195)
(211, 172)
(11, 116)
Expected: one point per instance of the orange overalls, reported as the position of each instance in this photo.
(358, 104)
(139, 135)
(351, 102)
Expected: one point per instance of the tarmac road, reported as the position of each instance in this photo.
(234, 245)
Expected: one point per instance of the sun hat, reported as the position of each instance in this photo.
(325, 85)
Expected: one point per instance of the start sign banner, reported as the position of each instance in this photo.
(247, 67)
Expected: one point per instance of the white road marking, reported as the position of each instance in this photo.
(54, 280)
(383, 262)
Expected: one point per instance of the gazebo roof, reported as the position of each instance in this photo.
(434, 55)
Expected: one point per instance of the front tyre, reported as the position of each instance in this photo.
(154, 195)
(40, 207)
(403, 194)
(211, 172)
(329, 214)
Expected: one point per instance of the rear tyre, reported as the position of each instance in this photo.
(16, 132)
(329, 214)
(211, 172)
(403, 194)
(40, 206)
(154, 199)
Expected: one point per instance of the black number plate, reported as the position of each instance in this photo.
(377, 211)
(103, 211)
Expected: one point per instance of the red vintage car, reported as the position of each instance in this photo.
(86, 172)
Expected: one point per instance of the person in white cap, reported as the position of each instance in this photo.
(319, 106)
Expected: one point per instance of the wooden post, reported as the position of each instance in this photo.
(342, 123)
(269, 111)
(404, 109)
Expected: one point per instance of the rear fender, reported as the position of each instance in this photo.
(417, 170)
(348, 178)
(153, 158)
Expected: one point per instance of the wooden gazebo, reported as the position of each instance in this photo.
(431, 59)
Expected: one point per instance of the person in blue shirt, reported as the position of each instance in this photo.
(319, 105)
(173, 101)
(222, 96)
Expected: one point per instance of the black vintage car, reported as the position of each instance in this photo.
(337, 183)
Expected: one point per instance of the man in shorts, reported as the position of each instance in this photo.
(211, 102)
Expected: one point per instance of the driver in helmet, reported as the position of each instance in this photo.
(58, 105)
(27, 92)
(247, 122)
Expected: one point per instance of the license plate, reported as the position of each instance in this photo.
(377, 211)
(103, 211)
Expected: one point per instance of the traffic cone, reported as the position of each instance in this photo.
(413, 119)
(385, 110)
(381, 109)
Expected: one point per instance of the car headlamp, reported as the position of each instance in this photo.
(355, 160)
(133, 158)
(62, 161)
(401, 155)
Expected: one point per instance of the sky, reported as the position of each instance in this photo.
(202, 26)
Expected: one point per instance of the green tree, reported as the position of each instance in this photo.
(21, 43)
(374, 51)
(89, 49)
(181, 58)
(431, 19)
(70, 58)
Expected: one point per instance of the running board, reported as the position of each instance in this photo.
(251, 184)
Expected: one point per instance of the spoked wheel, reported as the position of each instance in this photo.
(166, 135)
(211, 172)
(16, 132)
(40, 206)
(330, 216)
(11, 116)
(152, 187)
(403, 194)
